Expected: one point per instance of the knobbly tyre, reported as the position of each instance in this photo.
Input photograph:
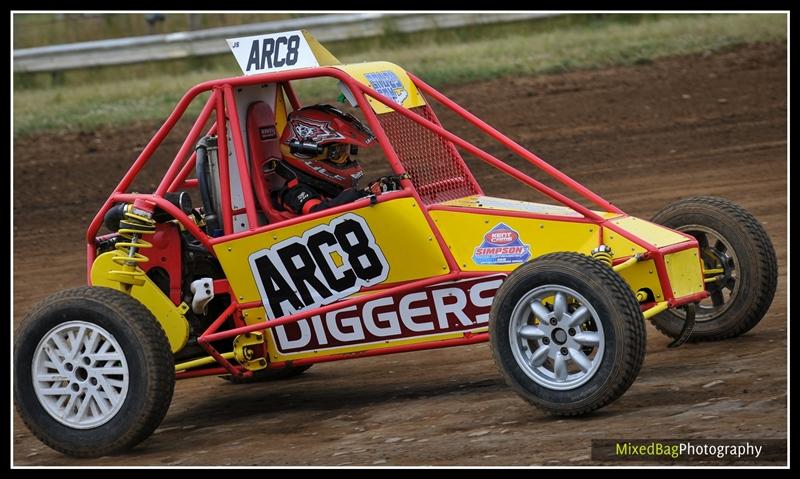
(242, 288)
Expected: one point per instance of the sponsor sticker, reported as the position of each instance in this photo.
(328, 262)
(438, 309)
(388, 84)
(501, 245)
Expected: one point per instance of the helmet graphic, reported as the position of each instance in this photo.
(319, 140)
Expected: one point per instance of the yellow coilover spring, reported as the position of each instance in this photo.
(132, 226)
(604, 254)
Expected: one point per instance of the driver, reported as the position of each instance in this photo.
(318, 146)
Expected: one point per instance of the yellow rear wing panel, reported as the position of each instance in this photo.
(387, 79)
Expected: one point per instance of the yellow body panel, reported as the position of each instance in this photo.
(405, 92)
(464, 232)
(620, 245)
(685, 272)
(168, 315)
(411, 252)
(399, 228)
(683, 268)
(654, 234)
(493, 203)
(323, 55)
(643, 275)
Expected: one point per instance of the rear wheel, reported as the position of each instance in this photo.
(567, 333)
(93, 372)
(739, 258)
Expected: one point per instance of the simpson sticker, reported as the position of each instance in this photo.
(387, 84)
(438, 309)
(501, 245)
(329, 262)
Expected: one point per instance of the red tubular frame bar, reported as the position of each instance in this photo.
(224, 172)
(360, 203)
(180, 180)
(222, 97)
(241, 159)
(486, 157)
(293, 318)
(515, 147)
(469, 338)
(513, 213)
(191, 139)
(293, 100)
(658, 255)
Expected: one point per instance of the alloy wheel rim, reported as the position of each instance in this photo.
(556, 337)
(716, 253)
(80, 374)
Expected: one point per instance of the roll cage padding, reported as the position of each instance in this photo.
(263, 140)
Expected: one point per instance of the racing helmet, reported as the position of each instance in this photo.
(320, 141)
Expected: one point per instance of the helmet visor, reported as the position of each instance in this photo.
(338, 154)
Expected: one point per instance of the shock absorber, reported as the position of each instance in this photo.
(604, 254)
(134, 224)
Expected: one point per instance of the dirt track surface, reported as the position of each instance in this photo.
(640, 136)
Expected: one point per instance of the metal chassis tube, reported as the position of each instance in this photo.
(222, 97)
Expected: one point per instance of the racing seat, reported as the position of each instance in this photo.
(263, 141)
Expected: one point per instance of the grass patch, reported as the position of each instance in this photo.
(446, 57)
(37, 29)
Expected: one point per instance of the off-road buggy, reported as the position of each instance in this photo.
(237, 287)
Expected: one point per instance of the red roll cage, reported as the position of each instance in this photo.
(222, 97)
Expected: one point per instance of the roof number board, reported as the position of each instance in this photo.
(272, 53)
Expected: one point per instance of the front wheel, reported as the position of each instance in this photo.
(93, 372)
(567, 333)
(739, 261)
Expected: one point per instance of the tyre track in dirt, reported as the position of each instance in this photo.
(640, 136)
